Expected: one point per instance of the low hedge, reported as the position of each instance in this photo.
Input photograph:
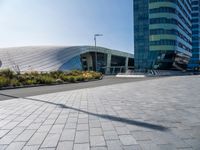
(4, 81)
(15, 82)
(10, 79)
(45, 79)
(7, 73)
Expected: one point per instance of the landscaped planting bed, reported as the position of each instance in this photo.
(10, 79)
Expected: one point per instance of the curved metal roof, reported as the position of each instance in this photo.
(46, 58)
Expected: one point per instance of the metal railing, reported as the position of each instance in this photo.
(113, 70)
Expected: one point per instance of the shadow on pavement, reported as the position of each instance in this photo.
(104, 116)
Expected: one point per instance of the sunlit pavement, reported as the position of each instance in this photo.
(146, 115)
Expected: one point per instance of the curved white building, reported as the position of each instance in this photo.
(52, 58)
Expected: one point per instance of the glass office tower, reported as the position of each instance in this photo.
(162, 34)
(195, 60)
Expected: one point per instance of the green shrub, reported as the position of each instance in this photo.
(15, 82)
(79, 78)
(60, 81)
(4, 81)
(33, 73)
(44, 79)
(7, 73)
(95, 75)
(68, 78)
(23, 78)
(30, 82)
(72, 79)
(56, 74)
(87, 76)
(64, 77)
(75, 73)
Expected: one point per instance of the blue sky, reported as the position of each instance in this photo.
(67, 22)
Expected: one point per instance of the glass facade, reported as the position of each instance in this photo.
(141, 33)
(72, 64)
(195, 60)
(162, 34)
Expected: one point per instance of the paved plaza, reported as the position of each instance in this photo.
(159, 114)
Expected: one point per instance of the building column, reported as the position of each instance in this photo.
(126, 64)
(108, 63)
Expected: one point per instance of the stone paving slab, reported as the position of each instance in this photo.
(159, 114)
